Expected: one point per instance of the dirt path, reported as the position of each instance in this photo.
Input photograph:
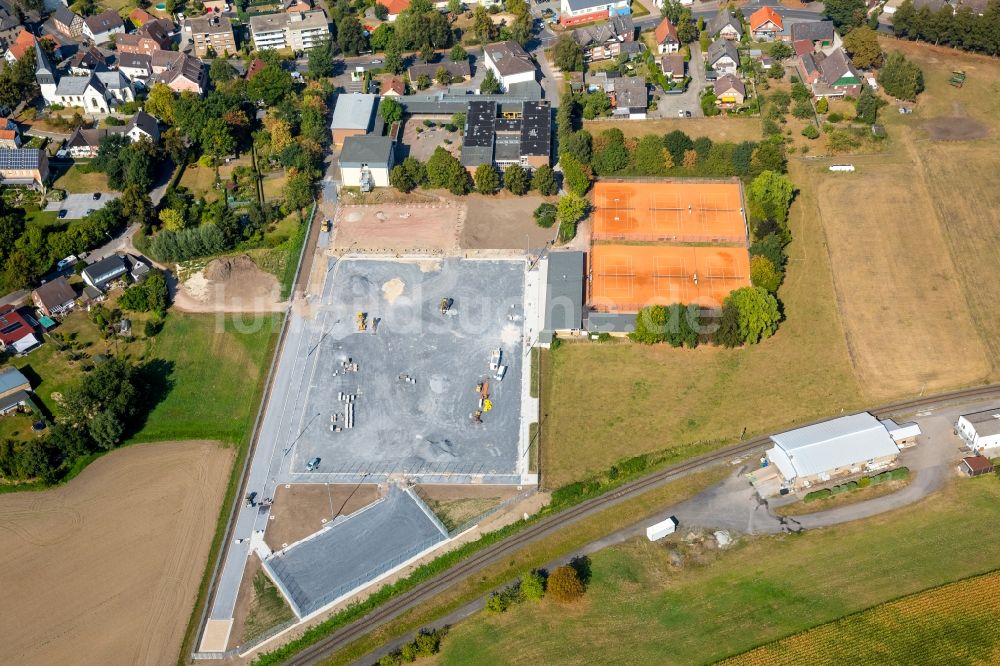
(105, 569)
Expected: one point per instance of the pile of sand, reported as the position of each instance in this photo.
(230, 284)
(197, 286)
(392, 289)
(230, 268)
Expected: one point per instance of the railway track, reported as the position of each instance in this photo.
(425, 591)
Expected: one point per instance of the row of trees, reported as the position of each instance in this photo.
(962, 28)
(748, 315)
(443, 170)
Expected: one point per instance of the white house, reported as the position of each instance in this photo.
(100, 27)
(723, 57)
(117, 86)
(845, 445)
(980, 430)
(665, 36)
(584, 11)
(143, 126)
(509, 63)
(365, 161)
(135, 65)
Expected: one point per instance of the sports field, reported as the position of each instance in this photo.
(641, 607)
(683, 211)
(104, 570)
(951, 624)
(626, 278)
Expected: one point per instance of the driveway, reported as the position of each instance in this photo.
(690, 100)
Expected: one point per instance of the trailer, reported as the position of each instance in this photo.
(659, 530)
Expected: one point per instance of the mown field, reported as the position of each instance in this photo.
(641, 608)
(951, 624)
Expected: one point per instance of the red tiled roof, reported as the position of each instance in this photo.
(25, 42)
(664, 30)
(395, 6)
(762, 16)
(140, 16)
(13, 326)
(802, 47)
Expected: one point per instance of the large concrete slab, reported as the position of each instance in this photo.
(354, 550)
(413, 393)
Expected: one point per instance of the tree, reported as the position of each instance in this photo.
(758, 313)
(769, 196)
(576, 176)
(454, 7)
(901, 78)
(545, 215)
(579, 145)
(394, 58)
(822, 105)
(381, 11)
(160, 103)
(442, 75)
(810, 132)
(676, 324)
(221, 71)
(868, 105)
(728, 332)
(863, 47)
(401, 180)
(564, 584)
(532, 586)
(803, 109)
(457, 53)
(690, 159)
(490, 84)
(487, 179)
(444, 170)
(764, 274)
(17, 81)
(543, 181)
(390, 110)
(677, 142)
(776, 71)
(686, 30)
(271, 84)
(782, 50)
(771, 246)
(427, 53)
(648, 156)
(482, 25)
(298, 190)
(350, 36)
(379, 40)
(515, 180)
(171, 219)
(845, 13)
(137, 207)
(321, 60)
(217, 139)
(610, 154)
(567, 54)
(571, 208)
(768, 156)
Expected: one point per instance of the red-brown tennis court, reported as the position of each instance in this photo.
(681, 212)
(626, 278)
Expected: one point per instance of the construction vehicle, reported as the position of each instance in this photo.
(957, 78)
(477, 416)
(500, 373)
(495, 359)
(446, 304)
(251, 499)
(362, 321)
(326, 224)
(487, 405)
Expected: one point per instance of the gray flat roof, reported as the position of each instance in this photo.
(610, 322)
(354, 111)
(368, 149)
(986, 422)
(564, 291)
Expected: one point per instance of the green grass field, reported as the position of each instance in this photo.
(218, 368)
(639, 608)
(268, 608)
(74, 181)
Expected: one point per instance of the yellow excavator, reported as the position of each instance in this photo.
(362, 321)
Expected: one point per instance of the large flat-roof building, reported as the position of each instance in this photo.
(504, 134)
(841, 446)
(572, 12)
(564, 287)
(294, 30)
(353, 115)
(210, 34)
(980, 430)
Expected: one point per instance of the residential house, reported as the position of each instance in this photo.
(459, 71)
(55, 297)
(140, 17)
(981, 431)
(152, 36)
(210, 34)
(135, 65)
(353, 115)
(23, 43)
(179, 72)
(10, 134)
(365, 161)
(842, 446)
(102, 273)
(297, 5)
(766, 24)
(138, 267)
(143, 126)
(17, 330)
(395, 7)
(729, 91)
(673, 66)
(723, 57)
(665, 37)
(12, 382)
(10, 28)
(86, 61)
(24, 166)
(298, 31)
(725, 25)
(85, 142)
(100, 27)
(117, 87)
(572, 12)
(605, 40)
(630, 98)
(394, 87)
(819, 34)
(68, 22)
(509, 63)
(830, 75)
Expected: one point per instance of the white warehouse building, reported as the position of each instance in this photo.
(981, 430)
(841, 446)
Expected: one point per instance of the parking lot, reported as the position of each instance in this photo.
(400, 397)
(78, 206)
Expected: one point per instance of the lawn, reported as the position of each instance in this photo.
(273, 187)
(951, 624)
(43, 218)
(216, 368)
(605, 401)
(717, 129)
(642, 608)
(77, 182)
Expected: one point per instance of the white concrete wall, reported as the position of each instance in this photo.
(352, 177)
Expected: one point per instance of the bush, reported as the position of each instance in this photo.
(817, 495)
(810, 132)
(533, 586)
(564, 584)
(823, 105)
(835, 117)
(545, 215)
(864, 482)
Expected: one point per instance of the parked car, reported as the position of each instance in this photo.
(312, 464)
(61, 214)
(97, 196)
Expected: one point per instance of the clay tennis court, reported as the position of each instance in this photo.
(626, 278)
(682, 212)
